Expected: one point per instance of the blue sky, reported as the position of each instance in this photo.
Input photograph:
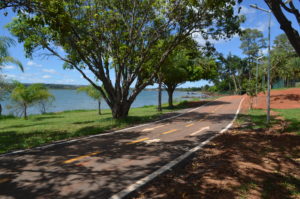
(43, 69)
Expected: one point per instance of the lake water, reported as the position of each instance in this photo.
(72, 100)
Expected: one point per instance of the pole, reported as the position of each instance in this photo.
(269, 68)
(256, 76)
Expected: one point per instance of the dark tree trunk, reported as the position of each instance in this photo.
(121, 110)
(235, 85)
(25, 112)
(159, 96)
(170, 90)
(285, 24)
(99, 107)
(0, 110)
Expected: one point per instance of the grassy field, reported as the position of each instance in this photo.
(258, 118)
(17, 133)
(292, 116)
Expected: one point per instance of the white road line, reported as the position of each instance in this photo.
(168, 166)
(104, 134)
(152, 141)
(204, 128)
(150, 129)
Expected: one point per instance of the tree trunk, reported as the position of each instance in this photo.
(25, 112)
(120, 110)
(235, 85)
(170, 90)
(159, 96)
(285, 24)
(99, 107)
(0, 110)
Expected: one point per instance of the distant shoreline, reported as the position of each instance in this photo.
(74, 87)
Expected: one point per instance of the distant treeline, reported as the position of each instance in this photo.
(66, 86)
(59, 86)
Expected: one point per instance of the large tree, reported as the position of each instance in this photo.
(282, 10)
(252, 42)
(232, 73)
(119, 36)
(185, 64)
(284, 60)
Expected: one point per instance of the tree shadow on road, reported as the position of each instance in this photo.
(242, 163)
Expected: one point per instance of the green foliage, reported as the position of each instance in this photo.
(24, 97)
(91, 91)
(186, 63)
(5, 58)
(123, 36)
(17, 133)
(285, 63)
(232, 73)
(252, 42)
(292, 116)
(4, 88)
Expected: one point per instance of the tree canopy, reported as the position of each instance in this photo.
(23, 97)
(5, 58)
(282, 10)
(119, 36)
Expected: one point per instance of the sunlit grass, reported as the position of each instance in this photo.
(17, 133)
(293, 118)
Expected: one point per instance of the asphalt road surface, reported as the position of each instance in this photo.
(101, 166)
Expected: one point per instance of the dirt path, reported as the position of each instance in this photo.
(280, 99)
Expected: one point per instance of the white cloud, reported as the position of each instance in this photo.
(52, 71)
(65, 81)
(7, 67)
(46, 76)
(32, 63)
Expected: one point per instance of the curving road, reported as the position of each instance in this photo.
(102, 166)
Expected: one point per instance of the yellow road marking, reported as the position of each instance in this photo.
(136, 141)
(189, 125)
(80, 157)
(3, 180)
(171, 131)
(202, 119)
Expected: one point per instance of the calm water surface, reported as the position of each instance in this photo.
(72, 100)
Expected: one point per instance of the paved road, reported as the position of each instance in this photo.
(99, 167)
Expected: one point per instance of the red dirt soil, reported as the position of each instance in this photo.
(280, 99)
(241, 163)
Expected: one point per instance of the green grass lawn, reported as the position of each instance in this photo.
(17, 133)
(258, 118)
(293, 117)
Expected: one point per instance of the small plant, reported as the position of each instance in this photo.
(93, 93)
(24, 97)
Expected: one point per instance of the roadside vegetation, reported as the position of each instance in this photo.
(17, 133)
